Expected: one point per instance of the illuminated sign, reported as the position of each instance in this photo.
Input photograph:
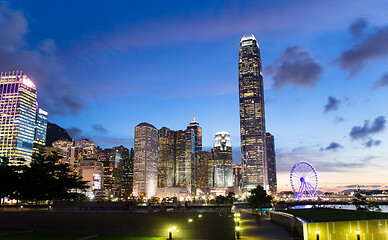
(27, 82)
(96, 181)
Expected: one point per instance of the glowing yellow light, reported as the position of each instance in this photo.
(177, 230)
(237, 228)
(199, 215)
(174, 228)
(190, 220)
(317, 232)
(170, 229)
(358, 232)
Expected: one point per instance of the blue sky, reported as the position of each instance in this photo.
(102, 67)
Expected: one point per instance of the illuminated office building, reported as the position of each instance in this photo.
(237, 175)
(197, 131)
(18, 108)
(205, 160)
(167, 158)
(271, 163)
(40, 131)
(252, 118)
(185, 158)
(222, 166)
(145, 163)
(92, 172)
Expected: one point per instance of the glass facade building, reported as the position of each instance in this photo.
(222, 166)
(197, 133)
(145, 163)
(252, 117)
(18, 107)
(271, 163)
(40, 131)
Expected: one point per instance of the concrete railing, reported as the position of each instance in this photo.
(286, 219)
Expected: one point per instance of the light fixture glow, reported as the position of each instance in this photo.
(237, 228)
(27, 82)
(358, 232)
(190, 220)
(318, 232)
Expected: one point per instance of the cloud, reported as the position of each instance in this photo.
(383, 82)
(295, 68)
(371, 47)
(40, 63)
(333, 146)
(372, 143)
(76, 133)
(99, 128)
(362, 132)
(338, 119)
(332, 105)
(357, 27)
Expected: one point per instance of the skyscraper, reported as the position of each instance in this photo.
(222, 166)
(145, 165)
(252, 118)
(271, 163)
(205, 160)
(40, 131)
(18, 108)
(167, 157)
(185, 157)
(197, 131)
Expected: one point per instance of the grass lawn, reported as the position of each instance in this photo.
(42, 236)
(331, 215)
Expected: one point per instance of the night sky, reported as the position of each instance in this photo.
(102, 67)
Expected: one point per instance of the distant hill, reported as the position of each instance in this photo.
(55, 133)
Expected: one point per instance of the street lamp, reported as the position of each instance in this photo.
(238, 232)
(317, 232)
(170, 234)
(358, 234)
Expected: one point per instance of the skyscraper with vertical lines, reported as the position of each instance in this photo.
(252, 118)
(18, 109)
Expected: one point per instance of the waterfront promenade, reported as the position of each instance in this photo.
(261, 228)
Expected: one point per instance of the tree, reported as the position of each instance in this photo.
(259, 198)
(9, 178)
(362, 204)
(48, 179)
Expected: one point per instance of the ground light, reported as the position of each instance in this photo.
(358, 234)
(238, 232)
(170, 230)
(190, 220)
(318, 232)
(199, 215)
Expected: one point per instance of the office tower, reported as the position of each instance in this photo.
(127, 180)
(271, 163)
(222, 160)
(62, 147)
(197, 131)
(237, 175)
(91, 171)
(185, 157)
(252, 118)
(167, 157)
(204, 175)
(145, 164)
(40, 131)
(18, 107)
(110, 158)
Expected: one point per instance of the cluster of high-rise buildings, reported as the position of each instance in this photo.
(23, 124)
(163, 162)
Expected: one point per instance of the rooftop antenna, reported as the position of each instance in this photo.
(194, 116)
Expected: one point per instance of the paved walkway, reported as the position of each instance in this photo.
(262, 229)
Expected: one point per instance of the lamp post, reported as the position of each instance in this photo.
(238, 232)
(170, 234)
(358, 234)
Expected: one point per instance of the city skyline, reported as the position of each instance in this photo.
(160, 64)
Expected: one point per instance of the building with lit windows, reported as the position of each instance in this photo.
(185, 159)
(271, 163)
(252, 117)
(40, 131)
(18, 107)
(222, 166)
(237, 175)
(167, 158)
(92, 171)
(145, 163)
(205, 159)
(197, 131)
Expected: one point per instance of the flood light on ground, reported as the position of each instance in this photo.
(199, 215)
(190, 220)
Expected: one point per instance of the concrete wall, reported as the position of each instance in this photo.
(285, 219)
(209, 226)
(369, 230)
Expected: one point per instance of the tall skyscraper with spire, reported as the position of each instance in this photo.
(196, 129)
(252, 118)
